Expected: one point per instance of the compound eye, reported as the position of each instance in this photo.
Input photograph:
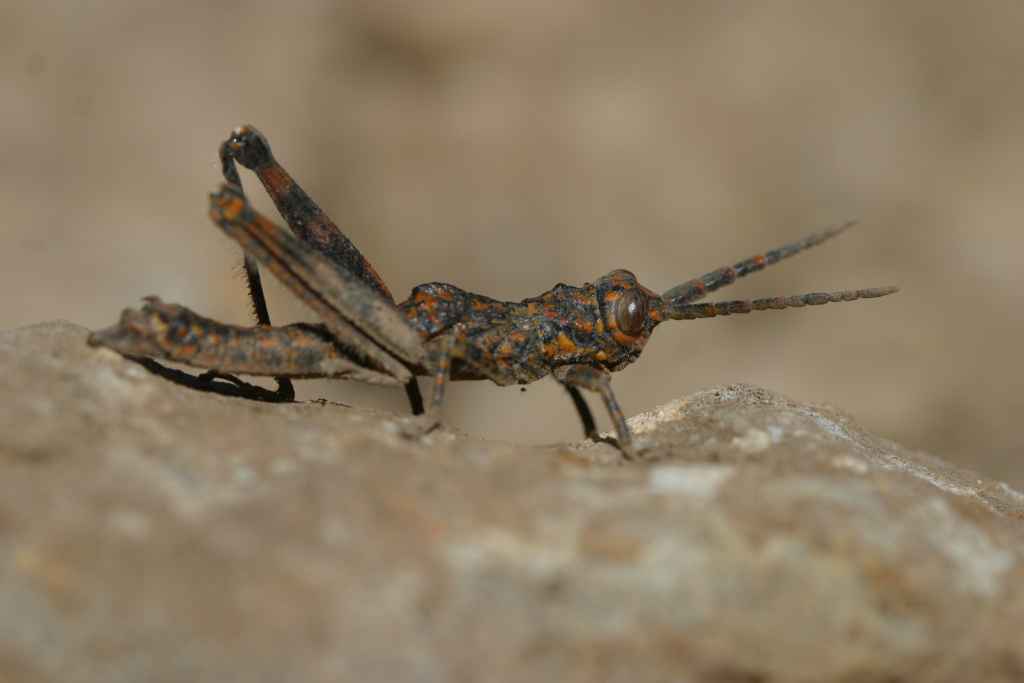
(631, 312)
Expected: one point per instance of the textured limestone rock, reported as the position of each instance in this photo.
(151, 532)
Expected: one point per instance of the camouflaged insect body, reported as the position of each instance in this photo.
(521, 342)
(580, 335)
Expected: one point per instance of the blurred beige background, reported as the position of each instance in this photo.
(506, 146)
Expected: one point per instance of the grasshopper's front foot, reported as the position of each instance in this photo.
(629, 451)
(417, 426)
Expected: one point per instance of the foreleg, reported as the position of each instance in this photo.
(583, 410)
(599, 381)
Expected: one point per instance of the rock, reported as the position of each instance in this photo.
(153, 532)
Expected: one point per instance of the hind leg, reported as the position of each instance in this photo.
(285, 388)
(249, 147)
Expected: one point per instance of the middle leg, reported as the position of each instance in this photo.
(438, 366)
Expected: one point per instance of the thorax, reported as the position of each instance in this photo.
(517, 342)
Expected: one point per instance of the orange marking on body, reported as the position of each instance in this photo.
(583, 325)
(427, 302)
(622, 338)
(759, 260)
(599, 327)
(601, 356)
(230, 207)
(504, 348)
(565, 344)
(550, 350)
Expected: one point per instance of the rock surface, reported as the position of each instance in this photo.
(152, 532)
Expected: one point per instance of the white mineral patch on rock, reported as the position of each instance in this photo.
(981, 563)
(698, 481)
(753, 441)
(642, 423)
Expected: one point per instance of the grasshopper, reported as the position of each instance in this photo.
(579, 335)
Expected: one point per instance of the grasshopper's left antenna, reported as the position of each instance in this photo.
(695, 289)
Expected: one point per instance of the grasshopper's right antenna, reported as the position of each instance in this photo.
(679, 310)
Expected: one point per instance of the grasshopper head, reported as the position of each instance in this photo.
(629, 312)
